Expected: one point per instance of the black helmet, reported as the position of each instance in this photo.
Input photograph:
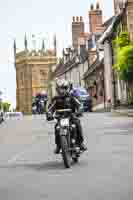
(62, 87)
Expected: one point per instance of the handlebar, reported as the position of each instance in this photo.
(64, 110)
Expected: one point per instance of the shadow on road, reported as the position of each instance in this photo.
(51, 165)
(47, 166)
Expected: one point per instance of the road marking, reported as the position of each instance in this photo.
(115, 130)
(16, 157)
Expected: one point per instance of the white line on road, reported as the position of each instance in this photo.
(16, 157)
(115, 130)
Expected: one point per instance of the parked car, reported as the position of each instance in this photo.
(13, 115)
(84, 98)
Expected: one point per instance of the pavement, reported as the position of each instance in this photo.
(122, 111)
(125, 112)
(30, 170)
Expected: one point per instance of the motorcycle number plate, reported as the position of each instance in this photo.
(64, 122)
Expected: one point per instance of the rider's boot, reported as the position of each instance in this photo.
(57, 150)
(83, 147)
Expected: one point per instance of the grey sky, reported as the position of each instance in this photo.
(42, 18)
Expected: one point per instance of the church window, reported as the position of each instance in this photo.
(43, 75)
(22, 77)
(131, 26)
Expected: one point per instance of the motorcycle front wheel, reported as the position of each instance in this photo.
(65, 151)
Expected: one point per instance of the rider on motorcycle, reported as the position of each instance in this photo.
(40, 102)
(65, 101)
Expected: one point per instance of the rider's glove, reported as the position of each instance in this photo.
(49, 116)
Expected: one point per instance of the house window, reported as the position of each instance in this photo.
(131, 36)
(131, 26)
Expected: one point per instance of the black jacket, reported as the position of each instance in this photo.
(66, 102)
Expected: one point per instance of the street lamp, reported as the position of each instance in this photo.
(79, 78)
(113, 78)
(78, 61)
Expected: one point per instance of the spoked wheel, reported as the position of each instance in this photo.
(65, 152)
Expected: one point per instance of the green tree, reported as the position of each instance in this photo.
(0, 105)
(124, 57)
(122, 40)
(124, 67)
(124, 64)
(61, 61)
(124, 61)
(6, 106)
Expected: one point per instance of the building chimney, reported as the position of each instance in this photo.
(92, 7)
(77, 29)
(77, 19)
(81, 18)
(98, 6)
(73, 19)
(95, 18)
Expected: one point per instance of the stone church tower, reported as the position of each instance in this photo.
(32, 68)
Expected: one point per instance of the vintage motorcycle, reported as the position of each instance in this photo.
(68, 136)
(39, 108)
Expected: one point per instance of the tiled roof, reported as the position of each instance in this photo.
(108, 22)
(109, 30)
(93, 67)
(62, 68)
(85, 35)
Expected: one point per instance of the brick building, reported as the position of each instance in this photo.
(116, 89)
(77, 28)
(95, 18)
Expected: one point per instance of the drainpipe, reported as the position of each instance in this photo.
(113, 79)
(104, 89)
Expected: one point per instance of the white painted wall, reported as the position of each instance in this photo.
(122, 91)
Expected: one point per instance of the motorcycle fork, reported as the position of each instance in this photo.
(69, 139)
(68, 136)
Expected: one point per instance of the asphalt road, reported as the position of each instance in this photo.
(30, 171)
